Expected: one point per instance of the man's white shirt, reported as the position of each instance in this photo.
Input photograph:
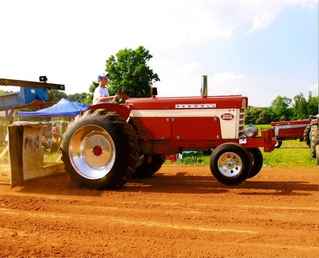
(99, 92)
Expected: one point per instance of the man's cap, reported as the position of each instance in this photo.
(102, 77)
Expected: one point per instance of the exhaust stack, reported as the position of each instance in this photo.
(204, 89)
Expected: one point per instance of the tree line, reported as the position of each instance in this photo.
(283, 108)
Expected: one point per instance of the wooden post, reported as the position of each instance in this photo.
(31, 84)
(16, 154)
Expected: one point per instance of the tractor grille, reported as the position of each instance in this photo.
(241, 121)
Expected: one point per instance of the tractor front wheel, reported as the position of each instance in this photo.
(150, 165)
(257, 161)
(230, 164)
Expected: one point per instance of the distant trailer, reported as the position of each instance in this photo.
(290, 130)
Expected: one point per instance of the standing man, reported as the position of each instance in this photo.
(101, 93)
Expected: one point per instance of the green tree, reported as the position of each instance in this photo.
(128, 70)
(258, 115)
(313, 103)
(300, 107)
(265, 116)
(280, 108)
(56, 95)
(251, 115)
(80, 97)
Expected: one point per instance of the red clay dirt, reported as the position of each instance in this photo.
(181, 212)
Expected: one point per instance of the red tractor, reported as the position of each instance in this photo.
(111, 143)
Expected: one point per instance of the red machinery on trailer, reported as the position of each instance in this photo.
(110, 143)
(290, 130)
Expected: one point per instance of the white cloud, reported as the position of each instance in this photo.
(70, 40)
(263, 13)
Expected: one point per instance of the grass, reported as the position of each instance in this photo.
(261, 127)
(291, 154)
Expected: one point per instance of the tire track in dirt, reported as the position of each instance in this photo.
(125, 221)
(244, 215)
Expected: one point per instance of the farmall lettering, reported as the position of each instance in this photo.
(134, 138)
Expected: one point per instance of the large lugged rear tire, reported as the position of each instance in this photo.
(230, 164)
(151, 164)
(99, 150)
(257, 161)
(314, 139)
(306, 135)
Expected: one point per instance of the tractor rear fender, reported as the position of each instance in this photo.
(122, 110)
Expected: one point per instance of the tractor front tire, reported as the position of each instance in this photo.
(99, 150)
(150, 165)
(257, 161)
(230, 164)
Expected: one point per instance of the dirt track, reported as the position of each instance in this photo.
(182, 212)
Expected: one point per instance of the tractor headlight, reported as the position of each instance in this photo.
(250, 131)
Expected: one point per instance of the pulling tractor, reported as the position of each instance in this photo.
(110, 143)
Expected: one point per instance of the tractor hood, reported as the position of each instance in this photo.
(235, 101)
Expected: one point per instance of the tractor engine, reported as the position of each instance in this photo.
(171, 125)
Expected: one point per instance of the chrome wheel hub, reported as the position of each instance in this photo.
(92, 152)
(230, 164)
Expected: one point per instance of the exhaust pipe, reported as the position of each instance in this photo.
(204, 89)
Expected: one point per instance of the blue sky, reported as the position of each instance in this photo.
(258, 48)
(289, 46)
(281, 59)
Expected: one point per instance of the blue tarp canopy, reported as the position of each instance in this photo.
(63, 108)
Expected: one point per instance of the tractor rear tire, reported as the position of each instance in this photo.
(99, 150)
(257, 161)
(230, 164)
(151, 164)
(314, 139)
(306, 135)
